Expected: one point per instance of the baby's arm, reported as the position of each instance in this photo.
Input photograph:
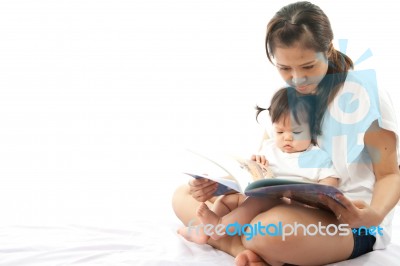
(330, 181)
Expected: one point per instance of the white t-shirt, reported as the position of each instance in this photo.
(310, 165)
(355, 107)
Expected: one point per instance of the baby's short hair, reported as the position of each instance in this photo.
(287, 101)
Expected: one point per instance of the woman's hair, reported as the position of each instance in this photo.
(287, 102)
(306, 24)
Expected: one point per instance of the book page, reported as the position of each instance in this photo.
(232, 171)
(200, 166)
(225, 185)
(221, 167)
(256, 170)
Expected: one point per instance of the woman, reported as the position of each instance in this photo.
(355, 124)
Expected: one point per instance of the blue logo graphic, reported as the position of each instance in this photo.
(365, 231)
(349, 115)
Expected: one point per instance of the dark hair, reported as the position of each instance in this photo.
(306, 24)
(287, 101)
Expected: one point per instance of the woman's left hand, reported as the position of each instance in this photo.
(355, 213)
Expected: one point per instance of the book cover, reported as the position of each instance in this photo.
(303, 192)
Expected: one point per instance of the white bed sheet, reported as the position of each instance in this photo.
(102, 219)
(148, 240)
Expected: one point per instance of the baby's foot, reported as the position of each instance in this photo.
(194, 234)
(248, 257)
(207, 216)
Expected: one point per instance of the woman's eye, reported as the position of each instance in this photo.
(284, 68)
(309, 67)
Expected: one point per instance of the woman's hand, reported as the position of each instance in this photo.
(355, 213)
(260, 159)
(202, 189)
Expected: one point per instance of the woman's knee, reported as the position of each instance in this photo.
(179, 195)
(262, 231)
(269, 237)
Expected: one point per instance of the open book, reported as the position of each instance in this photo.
(234, 174)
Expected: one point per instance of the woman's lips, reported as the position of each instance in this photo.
(302, 88)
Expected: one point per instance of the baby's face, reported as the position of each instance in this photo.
(290, 136)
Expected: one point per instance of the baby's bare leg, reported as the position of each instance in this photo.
(243, 214)
(225, 204)
(222, 206)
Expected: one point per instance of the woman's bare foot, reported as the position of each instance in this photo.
(194, 234)
(249, 258)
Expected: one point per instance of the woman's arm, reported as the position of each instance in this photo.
(381, 145)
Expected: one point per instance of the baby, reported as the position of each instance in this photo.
(292, 118)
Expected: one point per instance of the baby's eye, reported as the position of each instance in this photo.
(279, 132)
(297, 132)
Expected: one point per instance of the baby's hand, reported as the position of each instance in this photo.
(264, 164)
(260, 159)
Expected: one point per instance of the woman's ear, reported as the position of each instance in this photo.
(326, 56)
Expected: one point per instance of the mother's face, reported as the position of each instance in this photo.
(301, 68)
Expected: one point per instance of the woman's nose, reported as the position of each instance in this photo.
(298, 80)
(298, 77)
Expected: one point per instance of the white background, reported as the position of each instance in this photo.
(99, 98)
